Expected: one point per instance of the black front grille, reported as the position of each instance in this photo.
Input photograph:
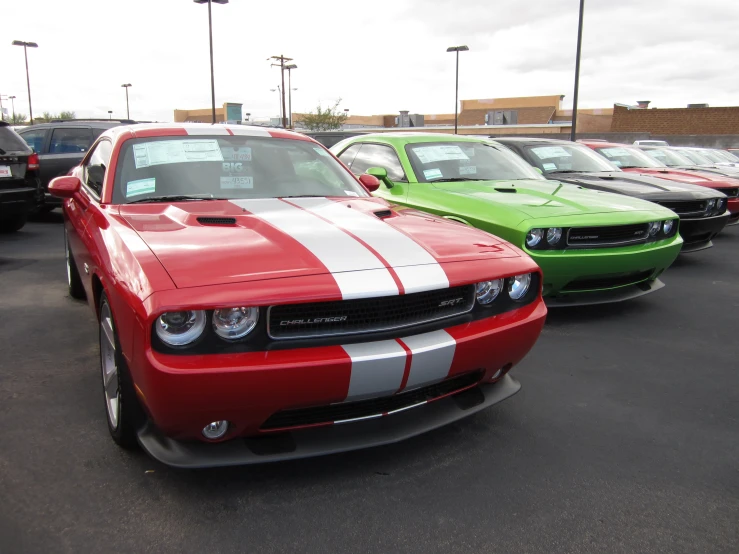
(615, 235)
(348, 317)
(366, 408)
(607, 281)
(687, 207)
(731, 193)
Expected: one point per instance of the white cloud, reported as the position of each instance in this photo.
(380, 57)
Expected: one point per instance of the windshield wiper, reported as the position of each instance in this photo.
(455, 180)
(175, 198)
(303, 196)
(569, 171)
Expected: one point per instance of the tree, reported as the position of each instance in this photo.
(48, 116)
(18, 119)
(327, 119)
(67, 115)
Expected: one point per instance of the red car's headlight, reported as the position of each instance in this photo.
(180, 328)
(234, 323)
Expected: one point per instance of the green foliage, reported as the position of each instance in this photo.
(324, 119)
(48, 116)
(18, 119)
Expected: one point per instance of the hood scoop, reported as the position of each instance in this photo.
(382, 214)
(217, 220)
(509, 190)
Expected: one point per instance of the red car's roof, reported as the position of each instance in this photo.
(181, 129)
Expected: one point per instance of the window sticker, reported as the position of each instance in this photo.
(467, 169)
(161, 152)
(141, 186)
(321, 152)
(611, 152)
(546, 152)
(237, 182)
(236, 154)
(549, 166)
(431, 154)
(432, 174)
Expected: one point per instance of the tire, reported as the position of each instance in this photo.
(13, 223)
(123, 412)
(74, 282)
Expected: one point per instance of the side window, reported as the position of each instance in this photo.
(70, 140)
(35, 139)
(377, 155)
(96, 166)
(347, 156)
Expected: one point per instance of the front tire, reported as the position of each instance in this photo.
(74, 282)
(123, 411)
(13, 223)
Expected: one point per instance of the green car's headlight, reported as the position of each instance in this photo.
(554, 234)
(654, 228)
(667, 226)
(487, 291)
(533, 237)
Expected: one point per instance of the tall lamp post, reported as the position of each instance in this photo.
(26, 46)
(279, 100)
(12, 103)
(573, 131)
(128, 112)
(456, 49)
(210, 34)
(290, 90)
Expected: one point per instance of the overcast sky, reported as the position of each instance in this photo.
(379, 57)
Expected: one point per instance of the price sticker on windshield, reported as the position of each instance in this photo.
(237, 182)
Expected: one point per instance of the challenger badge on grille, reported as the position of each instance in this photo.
(291, 322)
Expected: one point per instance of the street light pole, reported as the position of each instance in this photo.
(281, 65)
(290, 90)
(573, 131)
(456, 49)
(128, 112)
(26, 46)
(12, 103)
(210, 35)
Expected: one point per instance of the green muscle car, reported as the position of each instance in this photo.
(592, 246)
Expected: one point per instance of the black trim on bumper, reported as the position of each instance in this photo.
(603, 297)
(16, 201)
(697, 233)
(332, 439)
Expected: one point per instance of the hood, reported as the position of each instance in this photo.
(638, 185)
(215, 242)
(543, 198)
(702, 178)
(713, 169)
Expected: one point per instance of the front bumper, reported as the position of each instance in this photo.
(588, 273)
(306, 443)
(183, 393)
(698, 233)
(733, 208)
(16, 201)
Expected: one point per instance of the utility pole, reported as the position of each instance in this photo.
(573, 132)
(2, 112)
(281, 65)
(290, 91)
(12, 101)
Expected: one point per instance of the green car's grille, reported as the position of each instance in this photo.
(601, 237)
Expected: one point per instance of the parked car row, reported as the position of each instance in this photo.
(262, 298)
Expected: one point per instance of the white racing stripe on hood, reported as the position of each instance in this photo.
(416, 268)
(357, 271)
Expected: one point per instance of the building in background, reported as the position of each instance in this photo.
(230, 111)
(696, 119)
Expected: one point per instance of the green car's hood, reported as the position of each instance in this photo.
(543, 199)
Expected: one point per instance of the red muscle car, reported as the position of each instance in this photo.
(632, 159)
(255, 303)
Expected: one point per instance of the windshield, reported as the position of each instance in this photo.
(228, 167)
(626, 157)
(567, 157)
(11, 142)
(670, 158)
(728, 156)
(696, 158)
(466, 161)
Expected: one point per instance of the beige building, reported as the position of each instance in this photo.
(230, 111)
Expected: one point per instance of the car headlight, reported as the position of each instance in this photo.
(487, 291)
(667, 226)
(553, 235)
(654, 227)
(180, 328)
(519, 286)
(234, 323)
(711, 204)
(720, 205)
(534, 237)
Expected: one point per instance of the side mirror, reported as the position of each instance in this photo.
(370, 182)
(64, 187)
(381, 174)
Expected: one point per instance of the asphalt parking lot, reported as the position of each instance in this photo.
(625, 438)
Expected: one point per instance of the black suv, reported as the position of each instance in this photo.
(61, 145)
(19, 183)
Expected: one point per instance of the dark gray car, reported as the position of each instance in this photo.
(19, 185)
(61, 145)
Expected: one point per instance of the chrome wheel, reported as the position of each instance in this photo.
(108, 365)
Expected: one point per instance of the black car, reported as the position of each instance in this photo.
(703, 211)
(61, 145)
(19, 183)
